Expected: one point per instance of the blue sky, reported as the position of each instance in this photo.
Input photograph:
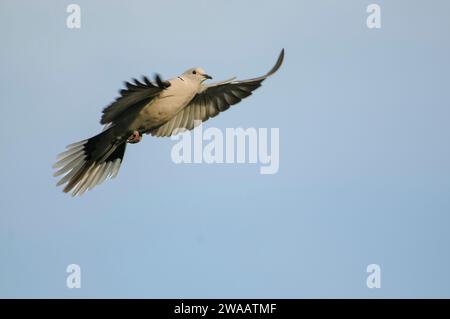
(364, 159)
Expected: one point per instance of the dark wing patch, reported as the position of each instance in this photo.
(135, 96)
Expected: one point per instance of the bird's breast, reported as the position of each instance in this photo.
(165, 106)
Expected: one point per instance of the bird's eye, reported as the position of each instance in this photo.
(194, 72)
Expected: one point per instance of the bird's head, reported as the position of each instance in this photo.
(196, 74)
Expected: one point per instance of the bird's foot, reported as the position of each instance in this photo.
(136, 137)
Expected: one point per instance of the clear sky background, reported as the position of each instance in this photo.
(364, 152)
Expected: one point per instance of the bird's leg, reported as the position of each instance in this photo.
(136, 137)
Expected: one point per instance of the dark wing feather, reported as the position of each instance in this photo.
(212, 100)
(132, 99)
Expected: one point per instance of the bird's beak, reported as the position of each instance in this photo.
(206, 76)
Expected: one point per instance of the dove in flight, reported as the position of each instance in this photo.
(159, 108)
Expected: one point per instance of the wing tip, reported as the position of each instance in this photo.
(277, 64)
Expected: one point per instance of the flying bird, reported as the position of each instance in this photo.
(159, 108)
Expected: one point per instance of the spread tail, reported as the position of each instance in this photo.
(89, 162)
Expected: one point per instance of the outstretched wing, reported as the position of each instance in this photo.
(212, 100)
(133, 98)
